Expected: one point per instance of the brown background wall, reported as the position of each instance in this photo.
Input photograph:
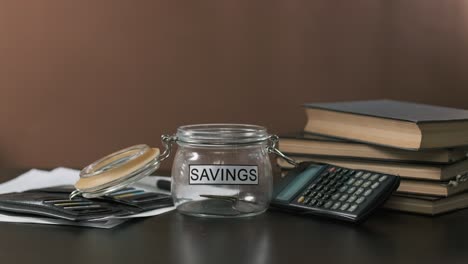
(79, 79)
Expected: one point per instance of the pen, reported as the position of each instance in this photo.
(164, 185)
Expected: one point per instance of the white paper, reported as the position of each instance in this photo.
(24, 182)
(35, 179)
(41, 220)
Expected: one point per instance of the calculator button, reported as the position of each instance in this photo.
(342, 189)
(338, 170)
(344, 206)
(351, 190)
(374, 177)
(312, 202)
(326, 197)
(338, 185)
(325, 182)
(319, 188)
(359, 191)
(350, 181)
(352, 198)
(358, 174)
(352, 208)
(344, 197)
(307, 200)
(335, 196)
(358, 182)
(332, 169)
(383, 178)
(307, 192)
(325, 174)
(375, 185)
(326, 189)
(312, 186)
(336, 205)
(319, 195)
(366, 175)
(368, 192)
(366, 184)
(328, 204)
(319, 203)
(301, 199)
(332, 191)
(360, 200)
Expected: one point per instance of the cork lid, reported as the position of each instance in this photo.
(117, 170)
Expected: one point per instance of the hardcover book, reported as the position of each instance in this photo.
(426, 204)
(391, 123)
(310, 144)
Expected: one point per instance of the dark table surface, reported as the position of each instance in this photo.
(274, 237)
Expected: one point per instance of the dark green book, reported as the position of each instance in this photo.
(391, 123)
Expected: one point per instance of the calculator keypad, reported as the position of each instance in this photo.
(341, 190)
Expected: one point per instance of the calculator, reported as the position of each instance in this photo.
(332, 191)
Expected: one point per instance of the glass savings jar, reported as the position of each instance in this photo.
(219, 170)
(222, 170)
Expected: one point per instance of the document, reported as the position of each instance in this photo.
(35, 179)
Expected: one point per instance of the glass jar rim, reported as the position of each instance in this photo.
(222, 134)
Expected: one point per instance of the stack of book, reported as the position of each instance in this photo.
(425, 145)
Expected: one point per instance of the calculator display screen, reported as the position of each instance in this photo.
(299, 181)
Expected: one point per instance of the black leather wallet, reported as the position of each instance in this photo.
(54, 203)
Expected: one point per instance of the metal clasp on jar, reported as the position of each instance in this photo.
(273, 140)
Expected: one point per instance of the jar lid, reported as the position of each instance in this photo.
(222, 134)
(116, 171)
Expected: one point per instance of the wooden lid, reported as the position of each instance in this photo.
(117, 167)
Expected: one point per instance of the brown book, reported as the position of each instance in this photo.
(434, 172)
(391, 123)
(427, 205)
(446, 188)
(309, 144)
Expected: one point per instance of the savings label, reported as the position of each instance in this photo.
(223, 174)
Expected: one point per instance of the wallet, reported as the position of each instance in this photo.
(54, 202)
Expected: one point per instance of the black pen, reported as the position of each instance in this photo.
(164, 185)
